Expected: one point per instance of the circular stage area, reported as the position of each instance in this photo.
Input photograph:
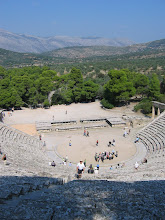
(83, 147)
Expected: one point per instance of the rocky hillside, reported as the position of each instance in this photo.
(33, 44)
(100, 51)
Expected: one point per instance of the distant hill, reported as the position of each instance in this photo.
(145, 58)
(32, 44)
(10, 59)
(99, 51)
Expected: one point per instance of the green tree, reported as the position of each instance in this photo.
(118, 87)
(16, 100)
(162, 86)
(154, 87)
(89, 91)
(75, 83)
(141, 83)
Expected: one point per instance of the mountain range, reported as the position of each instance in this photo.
(32, 44)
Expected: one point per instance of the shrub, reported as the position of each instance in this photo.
(46, 103)
(106, 104)
(145, 106)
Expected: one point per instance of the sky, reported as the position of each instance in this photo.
(136, 20)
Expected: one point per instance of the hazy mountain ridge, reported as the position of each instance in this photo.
(155, 49)
(84, 52)
(32, 44)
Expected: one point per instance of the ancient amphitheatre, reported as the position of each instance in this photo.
(31, 189)
(82, 147)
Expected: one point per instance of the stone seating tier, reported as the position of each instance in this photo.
(156, 135)
(153, 135)
(97, 199)
(156, 142)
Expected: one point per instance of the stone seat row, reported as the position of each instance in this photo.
(155, 140)
(12, 134)
(95, 126)
(68, 128)
(153, 135)
(24, 156)
(158, 135)
(16, 186)
(152, 142)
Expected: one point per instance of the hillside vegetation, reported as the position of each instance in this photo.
(94, 61)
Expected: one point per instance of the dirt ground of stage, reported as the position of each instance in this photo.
(81, 147)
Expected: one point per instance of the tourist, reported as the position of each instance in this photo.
(53, 164)
(113, 142)
(110, 156)
(96, 171)
(70, 144)
(85, 162)
(123, 165)
(129, 131)
(84, 132)
(137, 140)
(66, 159)
(109, 144)
(144, 160)
(80, 168)
(87, 134)
(125, 133)
(136, 165)
(102, 158)
(113, 151)
(91, 170)
(97, 143)
(40, 137)
(118, 166)
(111, 168)
(98, 166)
(96, 157)
(4, 159)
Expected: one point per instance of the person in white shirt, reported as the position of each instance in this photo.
(80, 168)
(136, 165)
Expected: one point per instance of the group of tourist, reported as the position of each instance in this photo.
(111, 143)
(125, 132)
(106, 155)
(65, 160)
(86, 133)
(92, 169)
(81, 168)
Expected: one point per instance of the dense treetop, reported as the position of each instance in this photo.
(31, 86)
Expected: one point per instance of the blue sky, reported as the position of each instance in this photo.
(137, 20)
